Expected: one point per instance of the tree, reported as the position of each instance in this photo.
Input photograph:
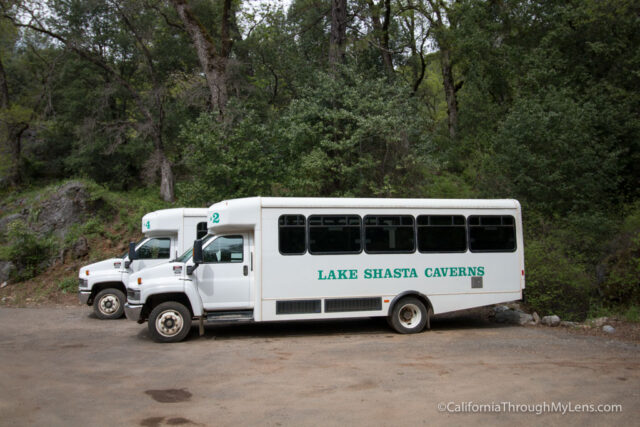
(338, 35)
(213, 61)
(443, 21)
(13, 116)
(111, 44)
(381, 31)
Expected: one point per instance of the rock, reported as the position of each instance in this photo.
(569, 324)
(552, 320)
(80, 247)
(599, 322)
(68, 205)
(608, 329)
(513, 317)
(500, 309)
(536, 318)
(4, 285)
(6, 268)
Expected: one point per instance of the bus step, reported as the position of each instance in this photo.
(230, 316)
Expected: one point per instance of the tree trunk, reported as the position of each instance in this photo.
(13, 131)
(381, 32)
(387, 60)
(449, 91)
(166, 179)
(213, 65)
(338, 37)
(4, 88)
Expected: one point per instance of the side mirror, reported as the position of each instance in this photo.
(197, 252)
(197, 257)
(132, 252)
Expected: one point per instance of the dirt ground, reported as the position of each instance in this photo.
(62, 366)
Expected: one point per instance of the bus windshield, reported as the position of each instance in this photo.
(185, 256)
(124, 255)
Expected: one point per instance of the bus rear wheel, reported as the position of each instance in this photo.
(409, 316)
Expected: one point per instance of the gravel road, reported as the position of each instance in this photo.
(61, 366)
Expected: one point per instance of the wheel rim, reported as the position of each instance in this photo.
(109, 304)
(410, 316)
(169, 323)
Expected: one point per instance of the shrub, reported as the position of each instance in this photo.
(68, 284)
(555, 283)
(29, 252)
(621, 285)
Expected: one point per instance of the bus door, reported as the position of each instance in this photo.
(223, 279)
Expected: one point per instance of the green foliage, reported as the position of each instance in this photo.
(621, 267)
(27, 250)
(632, 314)
(555, 284)
(68, 285)
(352, 136)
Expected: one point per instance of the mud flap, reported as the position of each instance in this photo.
(201, 325)
(429, 314)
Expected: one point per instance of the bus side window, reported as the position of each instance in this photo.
(334, 234)
(389, 234)
(442, 233)
(292, 233)
(492, 233)
(201, 230)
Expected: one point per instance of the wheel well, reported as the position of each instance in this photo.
(154, 300)
(425, 300)
(107, 285)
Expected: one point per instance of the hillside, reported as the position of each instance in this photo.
(48, 233)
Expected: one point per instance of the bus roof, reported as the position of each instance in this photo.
(382, 203)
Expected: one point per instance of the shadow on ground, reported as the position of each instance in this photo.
(470, 319)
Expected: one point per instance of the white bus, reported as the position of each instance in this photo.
(270, 259)
(167, 233)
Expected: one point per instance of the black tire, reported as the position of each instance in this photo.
(109, 304)
(409, 316)
(169, 322)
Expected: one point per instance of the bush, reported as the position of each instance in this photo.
(29, 252)
(621, 268)
(555, 283)
(69, 284)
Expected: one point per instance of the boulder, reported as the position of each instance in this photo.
(500, 309)
(552, 320)
(569, 324)
(608, 329)
(599, 322)
(80, 247)
(6, 268)
(513, 317)
(68, 205)
(536, 318)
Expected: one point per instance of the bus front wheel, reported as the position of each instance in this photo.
(169, 322)
(409, 316)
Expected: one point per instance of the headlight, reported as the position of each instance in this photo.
(83, 283)
(133, 294)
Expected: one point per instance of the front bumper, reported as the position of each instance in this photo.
(84, 296)
(133, 311)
